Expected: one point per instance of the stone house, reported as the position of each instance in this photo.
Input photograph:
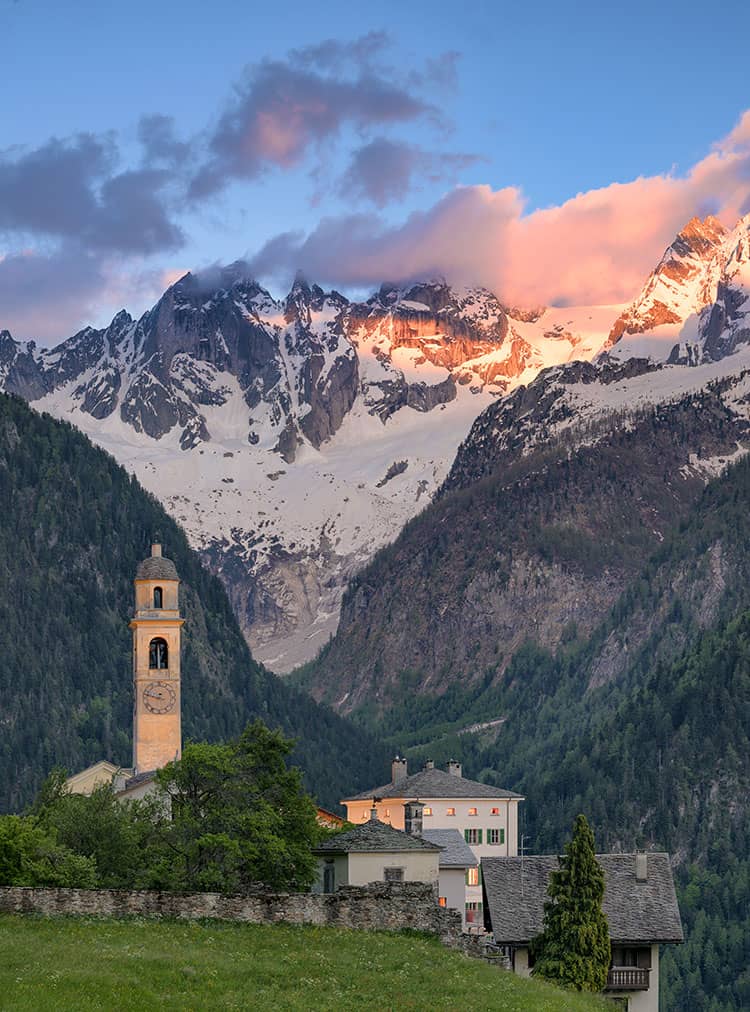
(639, 903)
(375, 852)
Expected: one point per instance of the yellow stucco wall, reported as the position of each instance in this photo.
(419, 866)
(157, 736)
(89, 779)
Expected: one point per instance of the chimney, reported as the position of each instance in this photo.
(398, 769)
(454, 768)
(373, 812)
(641, 867)
(156, 550)
(429, 764)
(413, 818)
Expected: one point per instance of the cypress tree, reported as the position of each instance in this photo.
(573, 949)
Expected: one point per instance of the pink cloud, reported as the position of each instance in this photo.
(596, 247)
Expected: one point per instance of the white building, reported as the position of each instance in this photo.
(456, 864)
(375, 852)
(486, 816)
(639, 903)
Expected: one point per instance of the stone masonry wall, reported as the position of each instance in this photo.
(379, 906)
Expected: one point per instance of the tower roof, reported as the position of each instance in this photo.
(156, 567)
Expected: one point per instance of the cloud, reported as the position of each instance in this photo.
(596, 247)
(157, 136)
(384, 170)
(283, 109)
(71, 190)
(45, 295)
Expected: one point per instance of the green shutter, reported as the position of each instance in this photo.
(479, 870)
(479, 837)
(466, 835)
(502, 836)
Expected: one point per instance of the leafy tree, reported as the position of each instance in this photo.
(573, 949)
(239, 816)
(124, 839)
(31, 855)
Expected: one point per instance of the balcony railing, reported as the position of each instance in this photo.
(627, 978)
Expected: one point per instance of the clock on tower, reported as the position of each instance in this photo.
(156, 625)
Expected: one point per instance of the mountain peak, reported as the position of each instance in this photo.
(680, 285)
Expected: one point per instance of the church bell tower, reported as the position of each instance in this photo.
(157, 627)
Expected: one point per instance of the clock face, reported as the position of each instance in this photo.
(159, 697)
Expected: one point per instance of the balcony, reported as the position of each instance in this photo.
(627, 978)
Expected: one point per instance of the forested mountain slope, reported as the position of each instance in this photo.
(643, 724)
(73, 526)
(539, 550)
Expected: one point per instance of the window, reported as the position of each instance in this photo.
(496, 836)
(387, 813)
(450, 811)
(473, 836)
(426, 810)
(158, 654)
(442, 901)
(494, 811)
(158, 597)
(473, 877)
(473, 811)
(394, 875)
(473, 913)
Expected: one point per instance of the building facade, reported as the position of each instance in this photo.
(485, 816)
(157, 631)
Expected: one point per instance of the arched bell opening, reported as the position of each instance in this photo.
(158, 654)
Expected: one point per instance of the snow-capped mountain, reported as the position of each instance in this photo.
(561, 492)
(292, 438)
(687, 330)
(683, 283)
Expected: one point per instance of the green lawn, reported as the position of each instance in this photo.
(86, 963)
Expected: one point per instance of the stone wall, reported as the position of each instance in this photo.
(379, 906)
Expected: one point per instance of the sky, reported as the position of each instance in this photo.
(545, 152)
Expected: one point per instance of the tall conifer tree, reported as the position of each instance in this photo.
(574, 949)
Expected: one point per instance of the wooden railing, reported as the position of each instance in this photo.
(627, 978)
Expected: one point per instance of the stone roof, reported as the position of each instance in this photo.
(156, 567)
(374, 836)
(456, 852)
(434, 783)
(515, 890)
(138, 779)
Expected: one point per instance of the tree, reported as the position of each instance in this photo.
(123, 838)
(239, 817)
(31, 855)
(573, 949)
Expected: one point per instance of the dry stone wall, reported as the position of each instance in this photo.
(377, 907)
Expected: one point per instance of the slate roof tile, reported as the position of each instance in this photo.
(515, 891)
(434, 783)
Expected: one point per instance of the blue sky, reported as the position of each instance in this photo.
(521, 106)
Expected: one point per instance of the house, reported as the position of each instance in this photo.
(455, 865)
(639, 903)
(375, 852)
(328, 819)
(484, 815)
